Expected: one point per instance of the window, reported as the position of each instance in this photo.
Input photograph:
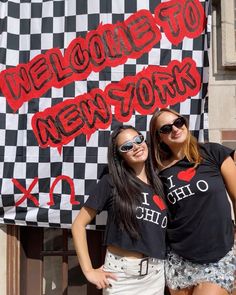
(42, 261)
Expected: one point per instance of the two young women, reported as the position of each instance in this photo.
(200, 231)
(136, 226)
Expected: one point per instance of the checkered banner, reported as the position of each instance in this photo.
(70, 72)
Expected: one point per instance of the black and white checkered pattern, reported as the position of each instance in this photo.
(31, 27)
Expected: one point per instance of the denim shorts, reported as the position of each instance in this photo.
(181, 273)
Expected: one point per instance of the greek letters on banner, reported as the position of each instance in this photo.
(70, 72)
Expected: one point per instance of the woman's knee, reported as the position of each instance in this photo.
(209, 289)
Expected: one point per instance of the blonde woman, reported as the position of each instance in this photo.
(200, 229)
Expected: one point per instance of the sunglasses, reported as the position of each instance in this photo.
(178, 123)
(129, 145)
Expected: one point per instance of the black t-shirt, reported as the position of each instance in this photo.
(200, 226)
(151, 215)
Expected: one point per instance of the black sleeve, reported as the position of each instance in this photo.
(219, 152)
(100, 196)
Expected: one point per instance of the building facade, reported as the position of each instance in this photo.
(48, 254)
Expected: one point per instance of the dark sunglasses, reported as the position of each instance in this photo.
(129, 145)
(178, 123)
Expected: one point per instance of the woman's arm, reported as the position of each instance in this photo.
(96, 276)
(228, 170)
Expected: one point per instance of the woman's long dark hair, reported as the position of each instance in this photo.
(127, 188)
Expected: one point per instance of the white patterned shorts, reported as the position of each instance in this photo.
(181, 273)
(129, 281)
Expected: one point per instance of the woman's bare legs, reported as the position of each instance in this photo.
(185, 291)
(201, 289)
(209, 289)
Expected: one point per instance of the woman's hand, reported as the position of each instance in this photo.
(99, 277)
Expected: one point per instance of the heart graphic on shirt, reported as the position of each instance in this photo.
(159, 202)
(186, 175)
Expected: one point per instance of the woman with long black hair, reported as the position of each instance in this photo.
(135, 231)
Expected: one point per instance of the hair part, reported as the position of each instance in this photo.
(161, 152)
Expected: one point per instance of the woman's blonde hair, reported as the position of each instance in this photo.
(161, 152)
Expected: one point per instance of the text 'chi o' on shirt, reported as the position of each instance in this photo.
(151, 216)
(200, 226)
